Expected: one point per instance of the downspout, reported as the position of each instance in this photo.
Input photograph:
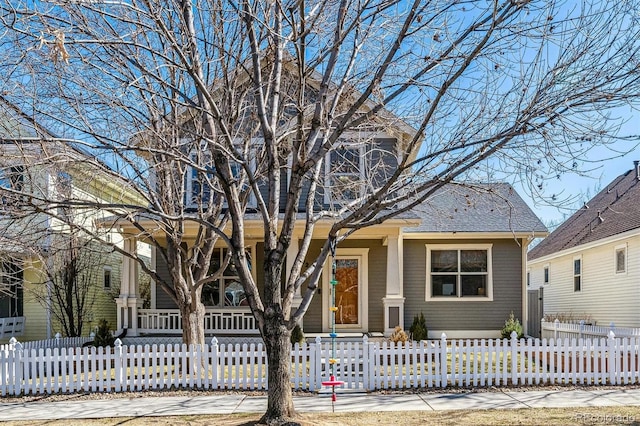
(525, 290)
(49, 283)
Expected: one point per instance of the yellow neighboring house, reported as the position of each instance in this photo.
(40, 255)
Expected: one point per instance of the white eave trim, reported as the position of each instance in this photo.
(471, 235)
(587, 246)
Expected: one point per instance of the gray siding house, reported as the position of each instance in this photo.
(459, 258)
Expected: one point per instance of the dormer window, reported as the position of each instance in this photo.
(345, 174)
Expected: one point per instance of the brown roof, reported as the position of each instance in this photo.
(612, 211)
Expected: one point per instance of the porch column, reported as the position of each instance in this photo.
(292, 252)
(128, 302)
(393, 301)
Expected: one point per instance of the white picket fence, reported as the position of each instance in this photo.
(361, 365)
(559, 330)
(57, 342)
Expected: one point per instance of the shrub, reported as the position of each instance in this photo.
(297, 335)
(103, 336)
(510, 325)
(418, 329)
(398, 335)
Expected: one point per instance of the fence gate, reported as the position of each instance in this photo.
(536, 311)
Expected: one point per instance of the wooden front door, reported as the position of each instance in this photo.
(348, 291)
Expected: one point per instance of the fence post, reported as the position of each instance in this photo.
(612, 327)
(444, 380)
(542, 322)
(118, 365)
(58, 338)
(611, 353)
(364, 370)
(514, 358)
(216, 364)
(317, 377)
(14, 369)
(556, 325)
(581, 329)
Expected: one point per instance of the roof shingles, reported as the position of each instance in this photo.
(612, 211)
(494, 207)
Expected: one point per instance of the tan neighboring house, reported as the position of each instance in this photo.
(590, 265)
(24, 311)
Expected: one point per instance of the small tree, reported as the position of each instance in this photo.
(104, 336)
(297, 335)
(418, 328)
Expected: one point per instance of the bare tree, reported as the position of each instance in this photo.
(227, 114)
(72, 269)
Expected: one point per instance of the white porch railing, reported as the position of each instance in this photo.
(216, 321)
(11, 326)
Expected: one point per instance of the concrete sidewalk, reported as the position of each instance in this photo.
(348, 402)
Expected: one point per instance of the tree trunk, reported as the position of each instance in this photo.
(277, 341)
(192, 315)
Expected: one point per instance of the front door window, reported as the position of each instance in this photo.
(347, 291)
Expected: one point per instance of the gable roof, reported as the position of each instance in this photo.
(493, 207)
(612, 211)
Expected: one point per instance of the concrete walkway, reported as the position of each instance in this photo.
(349, 402)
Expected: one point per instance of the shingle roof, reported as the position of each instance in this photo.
(494, 207)
(612, 211)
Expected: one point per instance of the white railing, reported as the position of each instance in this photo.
(216, 321)
(11, 326)
(361, 365)
(560, 330)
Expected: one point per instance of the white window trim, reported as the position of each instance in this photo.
(106, 269)
(615, 259)
(363, 253)
(459, 298)
(327, 171)
(546, 281)
(574, 275)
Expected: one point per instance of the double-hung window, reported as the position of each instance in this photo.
(106, 277)
(345, 173)
(455, 272)
(577, 274)
(621, 259)
(546, 274)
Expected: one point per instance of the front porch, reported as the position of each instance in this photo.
(226, 310)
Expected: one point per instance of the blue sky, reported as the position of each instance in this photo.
(605, 166)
